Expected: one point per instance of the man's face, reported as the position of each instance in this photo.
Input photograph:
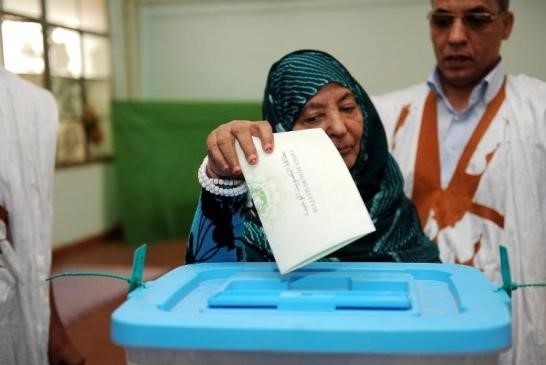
(466, 49)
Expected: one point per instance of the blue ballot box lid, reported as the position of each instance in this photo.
(380, 308)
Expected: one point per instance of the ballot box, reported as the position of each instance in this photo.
(326, 313)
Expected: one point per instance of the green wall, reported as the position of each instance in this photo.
(159, 146)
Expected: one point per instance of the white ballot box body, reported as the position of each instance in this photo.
(325, 313)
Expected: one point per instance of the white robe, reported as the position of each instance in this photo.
(28, 132)
(513, 184)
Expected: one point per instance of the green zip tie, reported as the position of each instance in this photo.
(139, 259)
(89, 273)
(134, 280)
(507, 284)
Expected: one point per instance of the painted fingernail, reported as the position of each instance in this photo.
(268, 148)
(236, 170)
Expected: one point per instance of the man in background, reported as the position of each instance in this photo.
(471, 143)
(30, 333)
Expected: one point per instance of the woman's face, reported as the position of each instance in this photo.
(334, 109)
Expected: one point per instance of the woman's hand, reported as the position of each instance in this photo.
(223, 161)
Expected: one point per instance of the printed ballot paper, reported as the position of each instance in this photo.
(305, 196)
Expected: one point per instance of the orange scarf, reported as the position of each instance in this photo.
(449, 205)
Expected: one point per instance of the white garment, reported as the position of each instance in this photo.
(28, 132)
(455, 128)
(512, 184)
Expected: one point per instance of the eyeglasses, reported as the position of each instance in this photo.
(473, 20)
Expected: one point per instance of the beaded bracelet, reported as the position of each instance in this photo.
(222, 187)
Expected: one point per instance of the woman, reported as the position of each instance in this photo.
(306, 89)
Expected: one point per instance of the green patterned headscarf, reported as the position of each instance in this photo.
(296, 78)
(291, 83)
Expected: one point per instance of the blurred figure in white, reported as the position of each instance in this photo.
(31, 332)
